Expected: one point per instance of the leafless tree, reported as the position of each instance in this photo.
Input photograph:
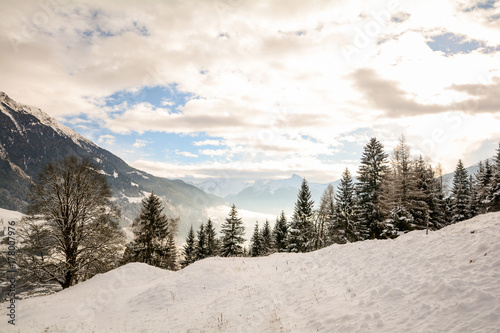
(71, 232)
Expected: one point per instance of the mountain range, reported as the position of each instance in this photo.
(30, 139)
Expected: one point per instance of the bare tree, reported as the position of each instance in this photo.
(71, 232)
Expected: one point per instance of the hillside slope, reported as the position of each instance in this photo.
(29, 139)
(446, 281)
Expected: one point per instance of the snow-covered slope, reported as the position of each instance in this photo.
(41, 116)
(447, 281)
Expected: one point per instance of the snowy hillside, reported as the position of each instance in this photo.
(446, 281)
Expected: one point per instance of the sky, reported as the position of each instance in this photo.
(260, 89)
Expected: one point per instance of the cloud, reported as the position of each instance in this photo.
(140, 143)
(186, 154)
(208, 143)
(267, 80)
(107, 139)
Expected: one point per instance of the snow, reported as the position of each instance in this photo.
(447, 281)
(10, 215)
(42, 117)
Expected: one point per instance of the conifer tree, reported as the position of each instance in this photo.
(256, 248)
(189, 250)
(409, 208)
(267, 238)
(327, 231)
(212, 241)
(473, 205)
(302, 227)
(460, 194)
(201, 244)
(232, 235)
(483, 181)
(346, 207)
(280, 233)
(493, 199)
(372, 178)
(154, 235)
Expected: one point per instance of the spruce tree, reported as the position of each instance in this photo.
(460, 194)
(267, 238)
(212, 241)
(201, 244)
(189, 250)
(372, 179)
(154, 235)
(409, 209)
(327, 231)
(346, 207)
(473, 206)
(483, 182)
(493, 199)
(302, 227)
(280, 233)
(232, 235)
(256, 248)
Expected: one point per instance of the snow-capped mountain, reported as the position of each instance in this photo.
(273, 196)
(30, 138)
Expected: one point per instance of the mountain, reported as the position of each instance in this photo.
(29, 139)
(446, 281)
(273, 196)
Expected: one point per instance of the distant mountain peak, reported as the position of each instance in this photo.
(43, 117)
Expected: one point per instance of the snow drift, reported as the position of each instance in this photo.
(446, 281)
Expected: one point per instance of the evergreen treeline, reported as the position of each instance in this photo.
(391, 194)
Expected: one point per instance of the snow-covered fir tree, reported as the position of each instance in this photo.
(460, 194)
(372, 179)
(483, 183)
(346, 217)
(256, 248)
(212, 241)
(301, 231)
(154, 236)
(232, 235)
(493, 200)
(327, 231)
(280, 233)
(189, 250)
(201, 244)
(267, 238)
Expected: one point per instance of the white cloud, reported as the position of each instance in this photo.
(186, 154)
(107, 139)
(208, 143)
(277, 84)
(140, 143)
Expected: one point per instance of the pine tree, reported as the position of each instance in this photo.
(409, 209)
(154, 235)
(460, 194)
(201, 244)
(256, 248)
(483, 181)
(493, 199)
(189, 250)
(267, 239)
(346, 207)
(302, 227)
(372, 178)
(280, 233)
(473, 205)
(326, 230)
(212, 241)
(232, 235)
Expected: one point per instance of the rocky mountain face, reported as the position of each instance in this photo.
(29, 139)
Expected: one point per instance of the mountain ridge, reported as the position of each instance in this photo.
(30, 139)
